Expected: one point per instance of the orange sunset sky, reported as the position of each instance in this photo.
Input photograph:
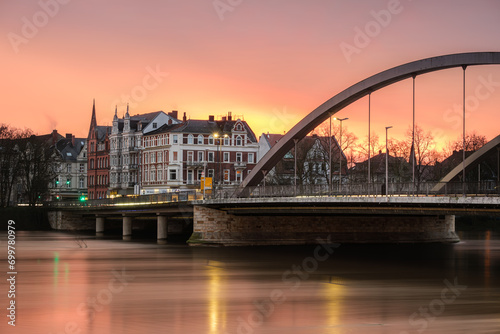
(271, 61)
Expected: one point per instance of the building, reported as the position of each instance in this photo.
(177, 155)
(126, 143)
(97, 159)
(399, 170)
(312, 158)
(71, 169)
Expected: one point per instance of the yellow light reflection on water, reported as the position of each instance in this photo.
(334, 292)
(217, 309)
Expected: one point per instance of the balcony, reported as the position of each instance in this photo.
(195, 164)
(240, 165)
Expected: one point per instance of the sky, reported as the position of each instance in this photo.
(272, 62)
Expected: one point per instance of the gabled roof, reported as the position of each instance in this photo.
(67, 150)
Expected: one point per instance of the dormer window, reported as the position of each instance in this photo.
(155, 125)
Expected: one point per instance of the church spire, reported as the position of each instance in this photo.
(127, 115)
(93, 120)
(116, 113)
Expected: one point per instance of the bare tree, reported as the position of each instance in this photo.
(9, 162)
(473, 142)
(36, 166)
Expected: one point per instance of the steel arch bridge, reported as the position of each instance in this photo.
(354, 93)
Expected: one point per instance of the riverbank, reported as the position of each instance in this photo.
(26, 218)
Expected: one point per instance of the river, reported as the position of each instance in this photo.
(68, 283)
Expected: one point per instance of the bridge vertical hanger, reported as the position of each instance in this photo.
(329, 157)
(369, 139)
(413, 136)
(463, 139)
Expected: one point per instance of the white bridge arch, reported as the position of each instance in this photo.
(354, 93)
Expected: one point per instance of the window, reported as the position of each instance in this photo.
(81, 183)
(226, 156)
(68, 183)
(190, 176)
(210, 156)
(239, 157)
(173, 174)
(210, 173)
(145, 158)
(68, 168)
(200, 140)
(91, 163)
(210, 140)
(198, 177)
(226, 175)
(238, 141)
(200, 156)
(190, 155)
(190, 139)
(82, 168)
(175, 139)
(160, 156)
(175, 156)
(251, 158)
(239, 176)
(159, 175)
(226, 141)
(155, 125)
(152, 175)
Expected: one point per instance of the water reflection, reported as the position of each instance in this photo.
(173, 288)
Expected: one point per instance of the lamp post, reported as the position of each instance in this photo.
(340, 150)
(216, 136)
(386, 163)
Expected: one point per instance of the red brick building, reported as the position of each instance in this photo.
(97, 159)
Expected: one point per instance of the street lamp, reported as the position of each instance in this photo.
(219, 167)
(340, 149)
(386, 163)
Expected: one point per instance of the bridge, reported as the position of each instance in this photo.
(256, 214)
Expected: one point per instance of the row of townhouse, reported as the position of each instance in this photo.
(157, 152)
(179, 155)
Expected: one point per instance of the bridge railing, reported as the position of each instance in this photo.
(172, 197)
(487, 188)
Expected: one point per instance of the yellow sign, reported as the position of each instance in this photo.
(206, 183)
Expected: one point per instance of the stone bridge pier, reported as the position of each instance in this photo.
(216, 226)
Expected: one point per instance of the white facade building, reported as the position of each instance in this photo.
(125, 145)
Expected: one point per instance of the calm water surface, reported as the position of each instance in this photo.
(83, 284)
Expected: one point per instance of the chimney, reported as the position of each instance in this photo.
(211, 118)
(174, 114)
(184, 118)
(379, 151)
(54, 137)
(224, 118)
(73, 140)
(229, 116)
